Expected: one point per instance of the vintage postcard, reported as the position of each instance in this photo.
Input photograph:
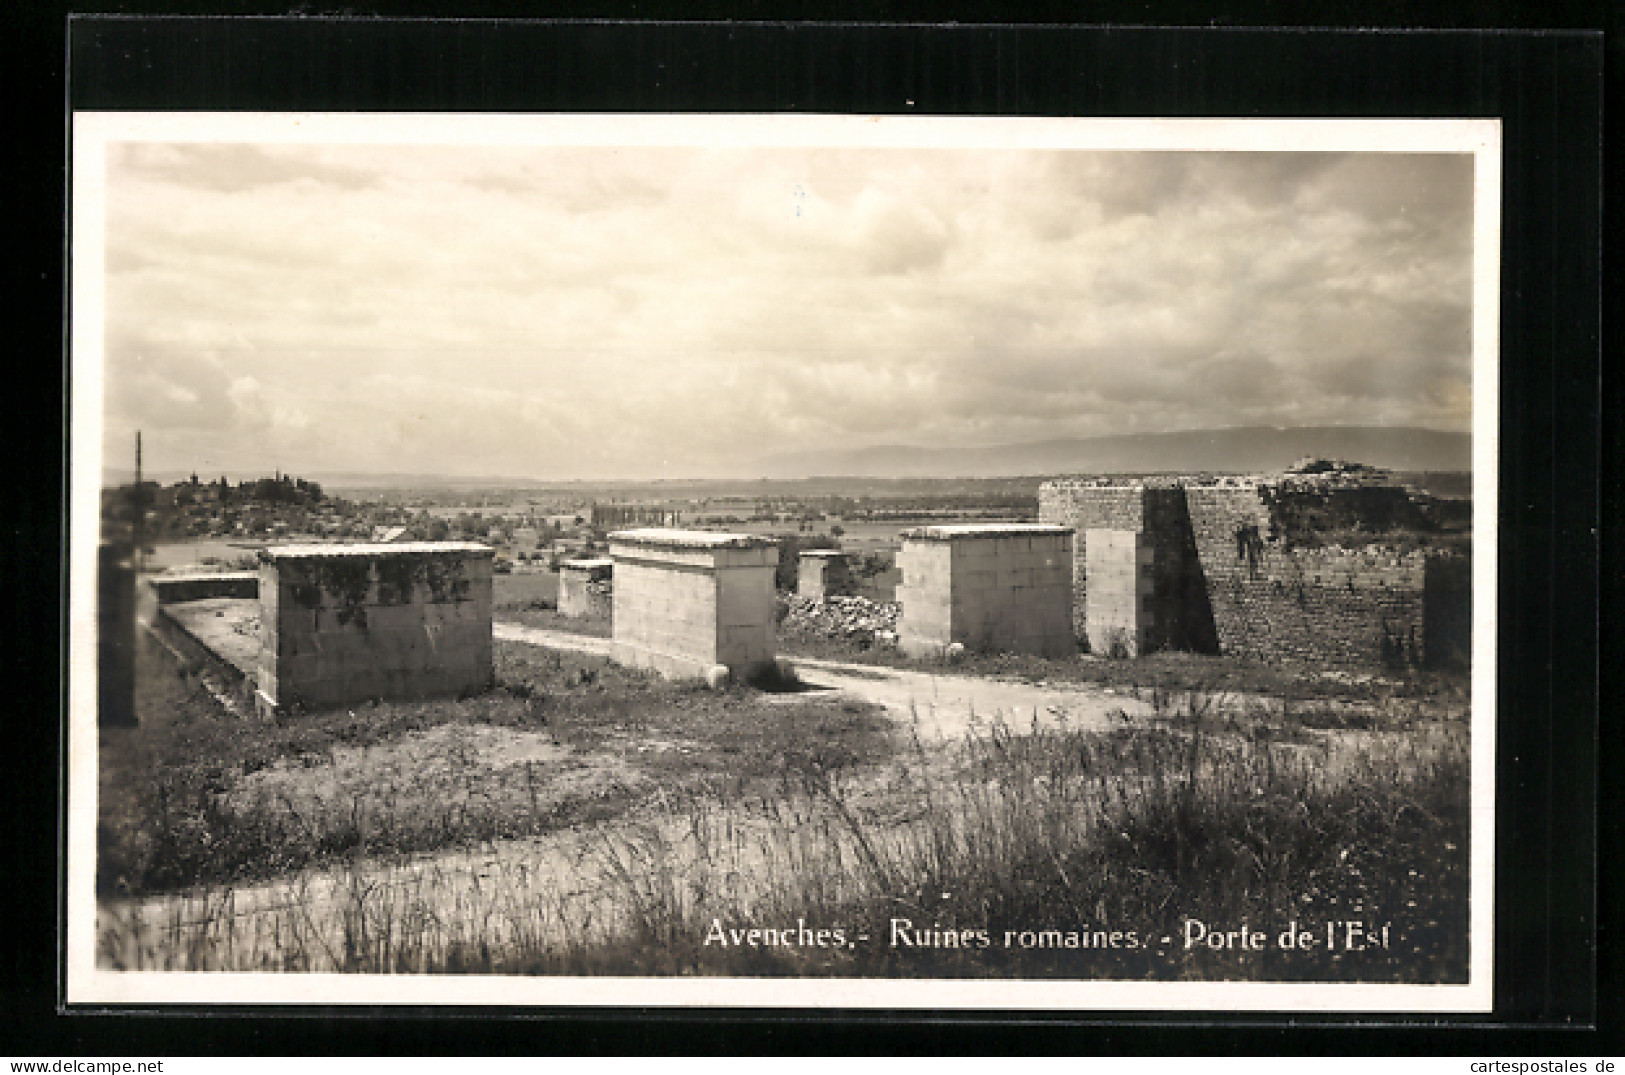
(783, 561)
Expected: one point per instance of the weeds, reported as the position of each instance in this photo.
(546, 617)
(1077, 839)
(193, 797)
(1168, 670)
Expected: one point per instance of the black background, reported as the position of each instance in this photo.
(1551, 946)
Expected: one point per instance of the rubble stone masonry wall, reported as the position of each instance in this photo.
(848, 619)
(1215, 575)
(1447, 614)
(1356, 607)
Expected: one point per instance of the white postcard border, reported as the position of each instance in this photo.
(93, 132)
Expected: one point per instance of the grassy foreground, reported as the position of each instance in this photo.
(1043, 852)
(192, 796)
(1071, 854)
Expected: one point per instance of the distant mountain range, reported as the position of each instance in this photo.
(1240, 450)
(425, 482)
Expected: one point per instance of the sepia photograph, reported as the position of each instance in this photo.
(783, 561)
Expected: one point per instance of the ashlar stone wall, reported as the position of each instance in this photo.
(987, 586)
(584, 587)
(345, 623)
(1120, 618)
(687, 601)
(1174, 614)
(823, 573)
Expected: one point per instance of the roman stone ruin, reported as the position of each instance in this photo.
(115, 636)
(1237, 565)
(178, 588)
(342, 624)
(1118, 615)
(996, 586)
(688, 602)
(586, 587)
(853, 619)
(823, 573)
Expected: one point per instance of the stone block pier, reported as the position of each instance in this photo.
(583, 585)
(823, 573)
(986, 586)
(347, 623)
(690, 601)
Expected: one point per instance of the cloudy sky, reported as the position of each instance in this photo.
(567, 312)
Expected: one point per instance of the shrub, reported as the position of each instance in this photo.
(790, 549)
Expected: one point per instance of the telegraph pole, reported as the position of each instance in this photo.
(140, 510)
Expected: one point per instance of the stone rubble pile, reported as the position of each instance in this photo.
(1334, 474)
(851, 619)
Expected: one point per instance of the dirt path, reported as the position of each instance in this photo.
(947, 706)
(553, 888)
(942, 706)
(536, 636)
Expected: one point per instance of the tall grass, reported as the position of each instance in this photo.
(195, 797)
(1223, 820)
(1209, 814)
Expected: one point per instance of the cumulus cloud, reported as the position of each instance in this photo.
(595, 312)
(176, 390)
